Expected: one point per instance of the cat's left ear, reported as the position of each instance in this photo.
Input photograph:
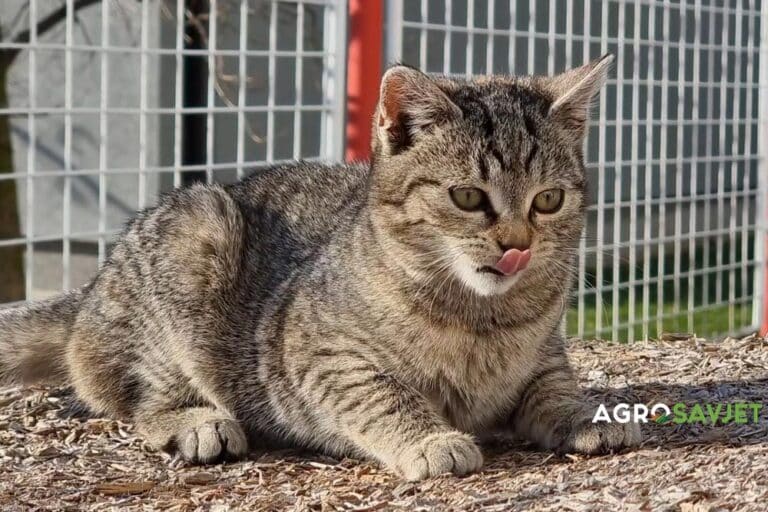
(574, 92)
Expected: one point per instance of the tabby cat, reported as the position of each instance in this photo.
(398, 310)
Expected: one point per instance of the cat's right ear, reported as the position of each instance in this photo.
(574, 92)
(409, 104)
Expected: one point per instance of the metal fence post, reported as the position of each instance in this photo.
(394, 43)
(335, 72)
(760, 306)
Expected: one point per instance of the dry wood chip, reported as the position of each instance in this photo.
(199, 478)
(118, 488)
(51, 462)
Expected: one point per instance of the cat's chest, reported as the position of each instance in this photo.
(475, 379)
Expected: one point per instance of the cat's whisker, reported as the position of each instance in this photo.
(445, 263)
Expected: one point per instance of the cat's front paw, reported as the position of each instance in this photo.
(444, 452)
(213, 441)
(593, 438)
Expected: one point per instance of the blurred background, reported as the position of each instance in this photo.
(105, 104)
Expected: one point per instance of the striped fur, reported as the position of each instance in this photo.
(321, 305)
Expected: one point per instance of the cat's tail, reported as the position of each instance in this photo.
(34, 337)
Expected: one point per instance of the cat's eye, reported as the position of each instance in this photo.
(469, 199)
(548, 201)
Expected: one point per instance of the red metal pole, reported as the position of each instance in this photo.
(364, 57)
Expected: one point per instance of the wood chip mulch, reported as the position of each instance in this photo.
(51, 460)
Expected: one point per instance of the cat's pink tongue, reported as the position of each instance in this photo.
(513, 261)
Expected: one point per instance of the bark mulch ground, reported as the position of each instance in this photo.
(50, 461)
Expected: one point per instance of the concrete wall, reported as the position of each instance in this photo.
(124, 91)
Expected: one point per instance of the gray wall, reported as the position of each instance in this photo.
(124, 92)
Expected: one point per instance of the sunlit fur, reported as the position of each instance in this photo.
(341, 308)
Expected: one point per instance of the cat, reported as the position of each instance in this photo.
(396, 311)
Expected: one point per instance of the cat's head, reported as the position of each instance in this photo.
(482, 180)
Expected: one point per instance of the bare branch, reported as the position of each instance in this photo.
(219, 76)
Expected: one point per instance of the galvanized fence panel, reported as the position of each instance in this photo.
(672, 240)
(111, 103)
(116, 102)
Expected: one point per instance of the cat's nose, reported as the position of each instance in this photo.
(520, 245)
(512, 235)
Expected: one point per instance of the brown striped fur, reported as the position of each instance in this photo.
(341, 307)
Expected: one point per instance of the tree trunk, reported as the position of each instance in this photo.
(11, 257)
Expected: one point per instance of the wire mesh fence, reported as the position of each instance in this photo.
(105, 104)
(672, 240)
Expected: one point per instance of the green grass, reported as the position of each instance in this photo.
(705, 321)
(710, 314)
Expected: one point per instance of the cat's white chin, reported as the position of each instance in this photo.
(485, 284)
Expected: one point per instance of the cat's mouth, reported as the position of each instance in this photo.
(490, 270)
(510, 263)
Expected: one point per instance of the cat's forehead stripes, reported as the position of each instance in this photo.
(498, 156)
(483, 166)
(502, 112)
(531, 155)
